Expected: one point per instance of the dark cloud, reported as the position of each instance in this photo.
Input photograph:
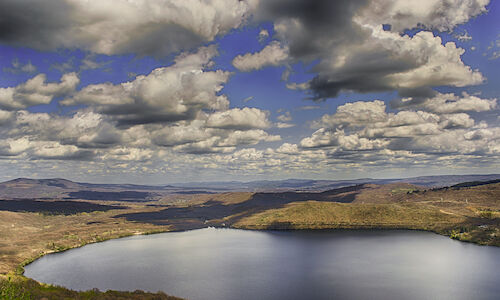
(37, 24)
(316, 18)
(117, 27)
(354, 50)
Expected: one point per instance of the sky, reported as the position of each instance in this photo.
(164, 91)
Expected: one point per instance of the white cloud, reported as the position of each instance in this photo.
(324, 138)
(129, 154)
(460, 120)
(355, 114)
(54, 150)
(37, 91)
(236, 118)
(5, 116)
(284, 125)
(180, 134)
(359, 131)
(449, 103)
(431, 14)
(167, 94)
(249, 137)
(286, 117)
(13, 147)
(288, 148)
(273, 54)
(438, 64)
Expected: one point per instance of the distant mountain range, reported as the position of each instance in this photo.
(309, 184)
(66, 189)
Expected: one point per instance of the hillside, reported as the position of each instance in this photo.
(34, 227)
(62, 188)
(470, 213)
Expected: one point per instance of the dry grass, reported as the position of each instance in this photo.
(468, 214)
(26, 236)
(319, 215)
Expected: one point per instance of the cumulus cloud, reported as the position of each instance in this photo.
(323, 138)
(359, 55)
(84, 129)
(273, 54)
(367, 126)
(356, 55)
(13, 147)
(144, 27)
(5, 116)
(174, 109)
(129, 154)
(37, 91)
(389, 61)
(182, 133)
(54, 150)
(177, 118)
(167, 94)
(288, 148)
(248, 137)
(358, 113)
(43, 150)
(431, 14)
(236, 118)
(198, 137)
(448, 103)
(87, 135)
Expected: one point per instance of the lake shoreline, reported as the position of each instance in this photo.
(382, 236)
(284, 226)
(20, 269)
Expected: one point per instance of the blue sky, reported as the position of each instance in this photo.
(170, 91)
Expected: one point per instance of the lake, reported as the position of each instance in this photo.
(238, 264)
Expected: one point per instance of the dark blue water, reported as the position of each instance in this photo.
(237, 264)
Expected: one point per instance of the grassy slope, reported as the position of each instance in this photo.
(27, 236)
(320, 215)
(469, 214)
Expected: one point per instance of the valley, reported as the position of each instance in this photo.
(77, 215)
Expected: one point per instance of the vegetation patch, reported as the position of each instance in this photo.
(14, 287)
